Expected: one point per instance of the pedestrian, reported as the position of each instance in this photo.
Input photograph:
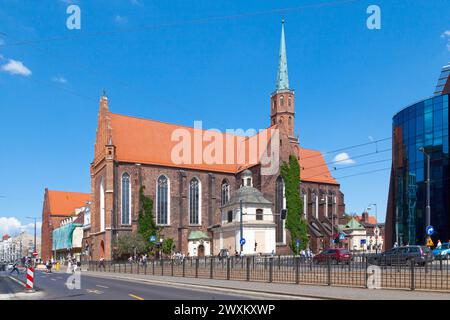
(102, 263)
(144, 260)
(439, 245)
(15, 268)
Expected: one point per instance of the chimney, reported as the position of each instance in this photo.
(365, 216)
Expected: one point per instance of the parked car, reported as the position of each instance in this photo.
(335, 256)
(421, 255)
(442, 253)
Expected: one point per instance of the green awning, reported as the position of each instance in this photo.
(62, 236)
(197, 235)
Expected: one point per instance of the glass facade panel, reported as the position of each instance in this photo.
(424, 124)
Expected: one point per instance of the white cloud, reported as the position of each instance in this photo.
(12, 226)
(343, 158)
(59, 79)
(120, 19)
(16, 67)
(446, 35)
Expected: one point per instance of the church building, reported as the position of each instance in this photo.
(191, 199)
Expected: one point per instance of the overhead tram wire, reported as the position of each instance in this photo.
(185, 22)
(347, 167)
(363, 173)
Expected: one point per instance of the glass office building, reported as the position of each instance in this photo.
(424, 124)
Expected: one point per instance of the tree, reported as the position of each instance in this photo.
(130, 243)
(146, 225)
(295, 222)
(168, 245)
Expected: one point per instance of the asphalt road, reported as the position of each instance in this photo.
(53, 287)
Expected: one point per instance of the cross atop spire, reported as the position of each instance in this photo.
(282, 78)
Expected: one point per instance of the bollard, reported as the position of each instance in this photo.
(171, 267)
(297, 273)
(184, 267)
(228, 268)
(153, 265)
(30, 279)
(162, 267)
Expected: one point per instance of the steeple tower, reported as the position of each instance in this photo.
(282, 100)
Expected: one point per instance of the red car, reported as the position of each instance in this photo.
(335, 255)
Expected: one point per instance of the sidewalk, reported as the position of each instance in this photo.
(287, 290)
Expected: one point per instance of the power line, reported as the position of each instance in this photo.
(182, 23)
(348, 167)
(348, 148)
(363, 173)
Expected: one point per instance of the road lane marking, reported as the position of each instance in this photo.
(53, 279)
(136, 297)
(98, 285)
(94, 291)
(17, 281)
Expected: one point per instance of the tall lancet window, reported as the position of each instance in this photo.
(279, 205)
(126, 196)
(194, 201)
(225, 192)
(102, 206)
(162, 198)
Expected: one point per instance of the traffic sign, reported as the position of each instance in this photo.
(342, 236)
(242, 241)
(363, 241)
(35, 254)
(152, 238)
(430, 242)
(297, 243)
(430, 230)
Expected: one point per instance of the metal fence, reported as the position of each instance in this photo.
(361, 271)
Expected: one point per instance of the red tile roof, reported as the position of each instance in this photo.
(64, 203)
(152, 142)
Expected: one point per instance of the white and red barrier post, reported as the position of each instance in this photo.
(30, 278)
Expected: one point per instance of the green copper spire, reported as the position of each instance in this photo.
(282, 79)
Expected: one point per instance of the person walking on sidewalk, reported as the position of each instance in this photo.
(102, 263)
(15, 268)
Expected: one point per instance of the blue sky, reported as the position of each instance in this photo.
(163, 60)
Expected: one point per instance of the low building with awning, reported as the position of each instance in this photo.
(67, 239)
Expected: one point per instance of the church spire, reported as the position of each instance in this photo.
(282, 79)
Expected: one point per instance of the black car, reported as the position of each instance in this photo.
(420, 255)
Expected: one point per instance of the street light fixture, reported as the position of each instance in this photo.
(376, 223)
(428, 208)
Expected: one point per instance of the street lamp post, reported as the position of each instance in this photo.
(428, 208)
(376, 226)
(241, 227)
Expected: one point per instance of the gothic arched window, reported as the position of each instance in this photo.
(126, 195)
(225, 192)
(289, 101)
(162, 200)
(279, 205)
(281, 101)
(102, 206)
(194, 201)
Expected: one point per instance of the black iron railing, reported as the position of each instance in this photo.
(401, 272)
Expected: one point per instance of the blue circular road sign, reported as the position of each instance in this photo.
(242, 241)
(430, 230)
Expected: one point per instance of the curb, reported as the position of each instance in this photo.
(221, 288)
